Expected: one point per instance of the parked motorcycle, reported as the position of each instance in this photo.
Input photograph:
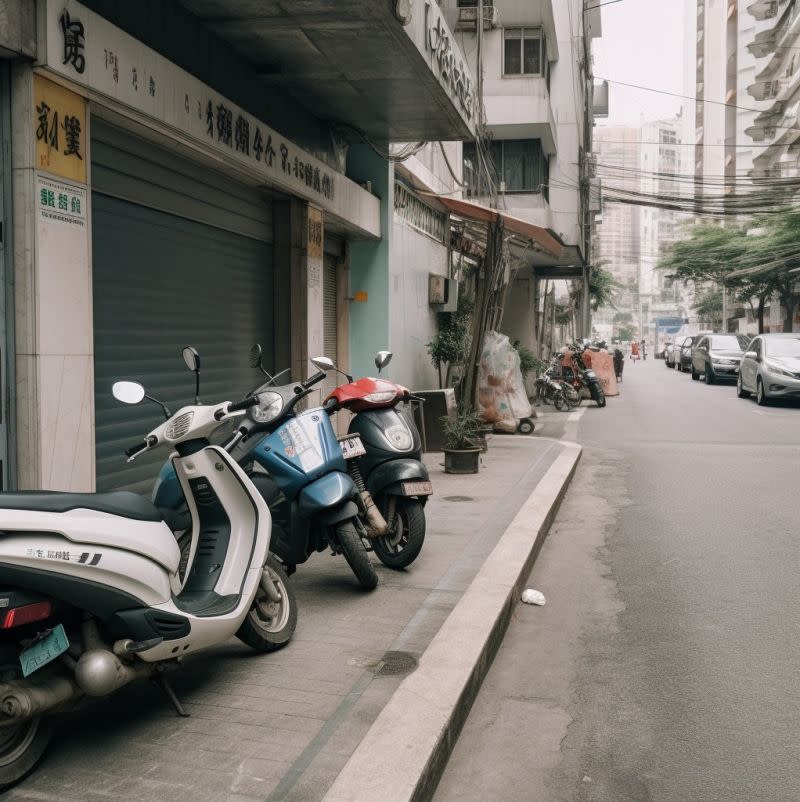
(390, 475)
(92, 598)
(551, 391)
(299, 467)
(581, 377)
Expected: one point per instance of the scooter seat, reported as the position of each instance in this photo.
(119, 502)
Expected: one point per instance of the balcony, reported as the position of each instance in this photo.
(763, 9)
(391, 70)
(523, 113)
(763, 44)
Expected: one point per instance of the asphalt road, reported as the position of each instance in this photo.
(665, 663)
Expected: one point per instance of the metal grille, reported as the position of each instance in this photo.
(329, 316)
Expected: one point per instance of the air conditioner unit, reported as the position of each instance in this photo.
(443, 293)
(467, 17)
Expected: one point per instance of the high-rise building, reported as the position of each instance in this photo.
(775, 86)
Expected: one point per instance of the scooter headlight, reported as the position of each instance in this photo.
(268, 408)
(380, 398)
(400, 437)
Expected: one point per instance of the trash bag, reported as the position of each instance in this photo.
(502, 400)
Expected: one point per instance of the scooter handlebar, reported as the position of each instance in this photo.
(246, 403)
(134, 451)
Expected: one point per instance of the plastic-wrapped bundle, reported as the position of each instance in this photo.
(502, 400)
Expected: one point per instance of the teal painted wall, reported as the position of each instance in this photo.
(369, 265)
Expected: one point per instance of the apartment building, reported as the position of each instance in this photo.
(535, 79)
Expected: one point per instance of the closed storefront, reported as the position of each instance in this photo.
(181, 255)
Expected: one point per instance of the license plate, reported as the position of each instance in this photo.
(417, 488)
(44, 650)
(352, 447)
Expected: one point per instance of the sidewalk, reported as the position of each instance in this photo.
(283, 726)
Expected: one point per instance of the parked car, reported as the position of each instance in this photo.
(770, 368)
(682, 357)
(717, 356)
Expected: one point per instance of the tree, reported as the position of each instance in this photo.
(602, 287)
(451, 342)
(776, 252)
(709, 308)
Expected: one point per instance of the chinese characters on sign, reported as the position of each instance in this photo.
(73, 41)
(59, 127)
(61, 203)
(240, 135)
(439, 42)
(315, 234)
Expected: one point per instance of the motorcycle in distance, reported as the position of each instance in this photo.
(390, 475)
(90, 588)
(581, 377)
(297, 464)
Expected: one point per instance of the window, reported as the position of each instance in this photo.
(520, 164)
(522, 51)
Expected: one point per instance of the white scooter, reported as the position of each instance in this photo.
(91, 595)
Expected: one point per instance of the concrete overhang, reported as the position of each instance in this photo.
(526, 116)
(392, 71)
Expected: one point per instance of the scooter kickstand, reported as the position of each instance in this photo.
(163, 683)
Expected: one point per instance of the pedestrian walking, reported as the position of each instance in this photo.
(634, 351)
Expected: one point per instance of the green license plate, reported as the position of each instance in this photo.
(44, 651)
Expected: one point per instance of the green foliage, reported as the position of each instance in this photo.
(623, 317)
(627, 332)
(602, 287)
(709, 306)
(461, 432)
(529, 362)
(450, 345)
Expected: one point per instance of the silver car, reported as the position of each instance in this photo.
(770, 368)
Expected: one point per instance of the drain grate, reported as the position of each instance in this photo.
(393, 664)
(458, 498)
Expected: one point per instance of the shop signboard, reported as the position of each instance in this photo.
(123, 73)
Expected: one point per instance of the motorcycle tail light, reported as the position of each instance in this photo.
(27, 614)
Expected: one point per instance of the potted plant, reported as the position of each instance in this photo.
(462, 450)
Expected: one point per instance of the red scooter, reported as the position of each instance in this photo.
(390, 474)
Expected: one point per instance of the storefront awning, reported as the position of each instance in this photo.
(539, 237)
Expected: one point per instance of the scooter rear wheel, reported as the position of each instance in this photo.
(21, 747)
(356, 555)
(272, 618)
(403, 546)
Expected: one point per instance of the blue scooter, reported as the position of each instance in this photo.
(298, 465)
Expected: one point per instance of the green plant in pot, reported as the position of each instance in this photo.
(462, 448)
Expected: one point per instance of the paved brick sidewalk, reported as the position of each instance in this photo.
(282, 726)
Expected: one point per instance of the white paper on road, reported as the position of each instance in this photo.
(531, 596)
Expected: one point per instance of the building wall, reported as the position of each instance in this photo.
(413, 255)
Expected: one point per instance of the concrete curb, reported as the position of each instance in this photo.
(403, 754)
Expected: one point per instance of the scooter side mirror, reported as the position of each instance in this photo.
(382, 359)
(323, 363)
(192, 360)
(128, 392)
(257, 357)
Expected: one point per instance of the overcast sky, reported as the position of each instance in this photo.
(642, 43)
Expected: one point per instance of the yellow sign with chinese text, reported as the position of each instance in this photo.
(59, 125)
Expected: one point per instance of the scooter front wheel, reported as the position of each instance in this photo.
(272, 618)
(400, 548)
(356, 555)
(21, 746)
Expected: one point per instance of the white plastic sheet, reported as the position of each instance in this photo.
(502, 399)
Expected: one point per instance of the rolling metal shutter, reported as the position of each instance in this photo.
(180, 256)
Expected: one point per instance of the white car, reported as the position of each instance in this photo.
(770, 368)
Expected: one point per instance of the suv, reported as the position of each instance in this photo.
(717, 356)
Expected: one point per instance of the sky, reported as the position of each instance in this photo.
(642, 43)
